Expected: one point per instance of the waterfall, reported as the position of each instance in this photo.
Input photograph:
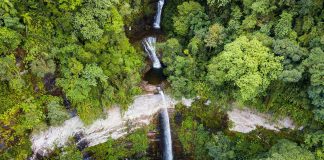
(167, 150)
(157, 18)
(149, 46)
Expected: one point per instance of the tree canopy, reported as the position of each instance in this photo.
(246, 64)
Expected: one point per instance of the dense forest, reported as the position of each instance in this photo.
(65, 57)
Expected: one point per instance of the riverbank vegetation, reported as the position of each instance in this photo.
(264, 54)
(67, 57)
(133, 146)
(63, 56)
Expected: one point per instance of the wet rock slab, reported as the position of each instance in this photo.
(245, 120)
(116, 125)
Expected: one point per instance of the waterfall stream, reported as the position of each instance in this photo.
(167, 146)
(157, 18)
(149, 47)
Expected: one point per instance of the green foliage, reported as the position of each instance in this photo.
(19, 120)
(134, 145)
(315, 65)
(283, 28)
(249, 22)
(181, 72)
(245, 64)
(263, 7)
(233, 26)
(68, 5)
(42, 67)
(265, 53)
(171, 48)
(70, 153)
(194, 139)
(293, 56)
(82, 43)
(194, 47)
(287, 150)
(140, 142)
(8, 67)
(90, 19)
(180, 66)
(82, 86)
(9, 40)
(288, 100)
(221, 147)
(315, 93)
(169, 10)
(20, 151)
(116, 22)
(6, 5)
(56, 112)
(205, 114)
(255, 144)
(218, 3)
(190, 18)
(78, 89)
(89, 111)
(319, 115)
(215, 36)
(315, 142)
(122, 66)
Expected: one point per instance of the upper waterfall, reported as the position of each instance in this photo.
(157, 18)
(149, 46)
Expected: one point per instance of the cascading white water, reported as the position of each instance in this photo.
(167, 150)
(149, 46)
(157, 18)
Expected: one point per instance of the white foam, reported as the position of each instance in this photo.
(157, 18)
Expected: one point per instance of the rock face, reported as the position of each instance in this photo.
(45, 141)
(187, 102)
(148, 87)
(140, 113)
(246, 120)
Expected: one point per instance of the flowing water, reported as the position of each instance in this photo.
(167, 141)
(157, 19)
(149, 47)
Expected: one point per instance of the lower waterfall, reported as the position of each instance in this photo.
(167, 141)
